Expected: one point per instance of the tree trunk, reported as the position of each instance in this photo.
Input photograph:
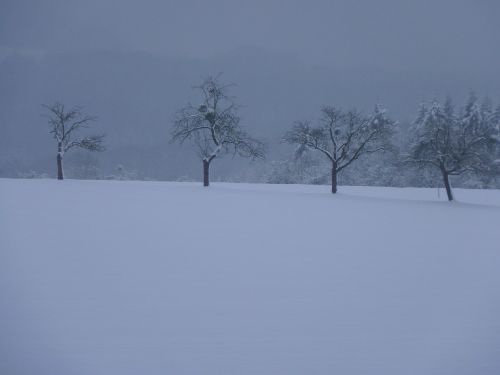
(334, 179)
(447, 185)
(206, 166)
(60, 174)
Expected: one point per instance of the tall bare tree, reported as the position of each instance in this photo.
(343, 136)
(64, 126)
(455, 143)
(214, 126)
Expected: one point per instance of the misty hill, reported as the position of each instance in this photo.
(135, 94)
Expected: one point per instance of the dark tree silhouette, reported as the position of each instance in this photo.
(64, 126)
(455, 143)
(214, 126)
(343, 137)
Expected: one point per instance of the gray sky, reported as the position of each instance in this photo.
(438, 34)
(133, 63)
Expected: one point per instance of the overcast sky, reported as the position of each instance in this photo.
(382, 33)
(287, 57)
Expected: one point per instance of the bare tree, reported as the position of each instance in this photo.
(64, 124)
(214, 126)
(455, 143)
(343, 137)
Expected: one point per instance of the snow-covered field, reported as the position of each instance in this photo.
(118, 278)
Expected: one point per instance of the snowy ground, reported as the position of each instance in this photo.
(118, 278)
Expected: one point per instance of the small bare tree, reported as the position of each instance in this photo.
(64, 124)
(455, 143)
(343, 136)
(214, 126)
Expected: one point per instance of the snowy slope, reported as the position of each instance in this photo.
(117, 278)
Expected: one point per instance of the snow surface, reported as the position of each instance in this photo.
(117, 278)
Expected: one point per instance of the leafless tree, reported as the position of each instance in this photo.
(343, 136)
(64, 126)
(455, 143)
(214, 126)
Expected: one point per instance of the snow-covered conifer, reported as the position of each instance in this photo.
(454, 143)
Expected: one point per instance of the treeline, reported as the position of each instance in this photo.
(444, 141)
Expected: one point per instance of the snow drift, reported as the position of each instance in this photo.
(108, 277)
